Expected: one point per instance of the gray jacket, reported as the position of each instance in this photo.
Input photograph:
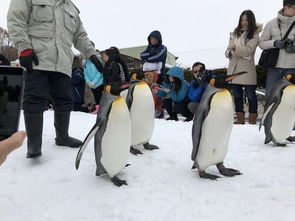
(272, 32)
(50, 28)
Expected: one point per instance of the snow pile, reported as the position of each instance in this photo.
(161, 184)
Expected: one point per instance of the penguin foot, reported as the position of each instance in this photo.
(291, 139)
(281, 145)
(229, 172)
(194, 167)
(117, 182)
(148, 146)
(135, 151)
(209, 176)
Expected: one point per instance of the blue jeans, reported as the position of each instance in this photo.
(274, 75)
(239, 98)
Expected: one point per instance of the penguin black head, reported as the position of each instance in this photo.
(291, 78)
(116, 89)
(223, 81)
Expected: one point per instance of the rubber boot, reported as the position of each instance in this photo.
(34, 128)
(241, 118)
(252, 118)
(61, 124)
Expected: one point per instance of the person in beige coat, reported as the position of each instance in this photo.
(43, 32)
(240, 52)
(272, 38)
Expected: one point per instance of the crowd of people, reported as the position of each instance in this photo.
(52, 70)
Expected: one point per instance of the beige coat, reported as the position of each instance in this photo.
(272, 33)
(50, 28)
(242, 58)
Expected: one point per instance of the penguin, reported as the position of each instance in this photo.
(112, 132)
(212, 127)
(279, 112)
(141, 105)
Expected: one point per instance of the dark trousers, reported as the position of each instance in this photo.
(275, 74)
(177, 107)
(41, 85)
(239, 98)
(97, 93)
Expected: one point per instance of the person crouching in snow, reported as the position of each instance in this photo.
(174, 92)
(154, 56)
(198, 85)
(151, 78)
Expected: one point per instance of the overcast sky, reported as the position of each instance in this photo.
(193, 30)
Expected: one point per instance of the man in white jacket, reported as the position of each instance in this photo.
(43, 32)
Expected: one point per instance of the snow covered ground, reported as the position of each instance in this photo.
(161, 184)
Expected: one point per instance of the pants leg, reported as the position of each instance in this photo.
(238, 97)
(36, 92)
(273, 75)
(60, 91)
(97, 93)
(181, 108)
(167, 104)
(252, 98)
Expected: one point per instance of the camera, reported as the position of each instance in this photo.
(290, 46)
(202, 77)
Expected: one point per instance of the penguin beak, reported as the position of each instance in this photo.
(231, 77)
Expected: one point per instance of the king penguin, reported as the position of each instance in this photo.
(279, 112)
(141, 105)
(112, 132)
(212, 128)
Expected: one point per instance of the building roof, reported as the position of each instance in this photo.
(135, 53)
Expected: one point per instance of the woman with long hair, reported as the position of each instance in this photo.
(240, 52)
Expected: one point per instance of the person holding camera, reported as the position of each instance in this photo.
(174, 94)
(198, 85)
(44, 32)
(240, 52)
(273, 37)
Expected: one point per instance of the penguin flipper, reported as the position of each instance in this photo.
(203, 110)
(265, 115)
(89, 136)
(129, 98)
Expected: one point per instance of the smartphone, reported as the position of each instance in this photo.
(11, 95)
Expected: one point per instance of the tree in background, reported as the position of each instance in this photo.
(6, 47)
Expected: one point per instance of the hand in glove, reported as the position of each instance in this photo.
(27, 57)
(280, 44)
(94, 59)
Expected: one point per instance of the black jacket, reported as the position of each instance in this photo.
(111, 73)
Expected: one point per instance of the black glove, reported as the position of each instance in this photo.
(280, 44)
(26, 59)
(94, 59)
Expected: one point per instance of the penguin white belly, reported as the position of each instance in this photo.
(216, 131)
(142, 114)
(284, 116)
(116, 140)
